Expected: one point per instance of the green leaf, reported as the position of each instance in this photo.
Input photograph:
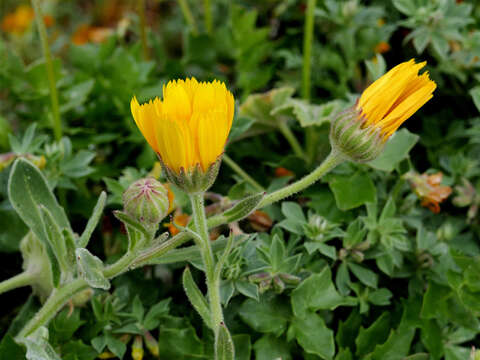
(408, 7)
(116, 346)
(375, 334)
(196, 297)
(475, 94)
(38, 347)
(224, 349)
(365, 275)
(243, 208)
(178, 340)
(243, 346)
(396, 150)
(9, 349)
(77, 350)
(27, 189)
(269, 347)
(318, 292)
(313, 335)
(56, 240)
(91, 269)
(93, 221)
(269, 315)
(293, 211)
(352, 191)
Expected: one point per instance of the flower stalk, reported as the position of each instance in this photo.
(57, 123)
(213, 281)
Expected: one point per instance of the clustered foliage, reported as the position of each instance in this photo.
(376, 261)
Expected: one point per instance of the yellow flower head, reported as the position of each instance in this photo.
(394, 97)
(190, 126)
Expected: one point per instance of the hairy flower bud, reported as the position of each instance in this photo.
(146, 200)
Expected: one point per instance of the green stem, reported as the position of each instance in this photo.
(20, 280)
(306, 73)
(213, 282)
(129, 261)
(208, 16)
(187, 14)
(54, 303)
(143, 29)
(332, 160)
(292, 140)
(235, 167)
(57, 124)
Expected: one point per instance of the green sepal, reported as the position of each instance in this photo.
(224, 348)
(193, 180)
(351, 139)
(196, 297)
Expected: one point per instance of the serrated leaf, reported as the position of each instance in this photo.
(91, 269)
(196, 297)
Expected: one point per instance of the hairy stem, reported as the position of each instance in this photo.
(235, 167)
(20, 280)
(54, 303)
(213, 282)
(57, 123)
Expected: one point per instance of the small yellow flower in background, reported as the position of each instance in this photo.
(18, 21)
(188, 129)
(360, 133)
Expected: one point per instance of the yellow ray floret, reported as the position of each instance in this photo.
(190, 125)
(395, 96)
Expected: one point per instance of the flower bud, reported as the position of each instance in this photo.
(146, 200)
(352, 140)
(137, 348)
(360, 132)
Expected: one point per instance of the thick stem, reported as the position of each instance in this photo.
(20, 280)
(187, 14)
(235, 167)
(54, 303)
(57, 124)
(306, 72)
(143, 29)
(208, 16)
(213, 283)
(328, 164)
(292, 140)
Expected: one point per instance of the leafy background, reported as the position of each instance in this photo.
(357, 266)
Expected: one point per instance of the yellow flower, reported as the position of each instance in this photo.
(394, 97)
(360, 132)
(18, 21)
(188, 129)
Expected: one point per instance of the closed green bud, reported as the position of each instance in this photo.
(146, 200)
(354, 141)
